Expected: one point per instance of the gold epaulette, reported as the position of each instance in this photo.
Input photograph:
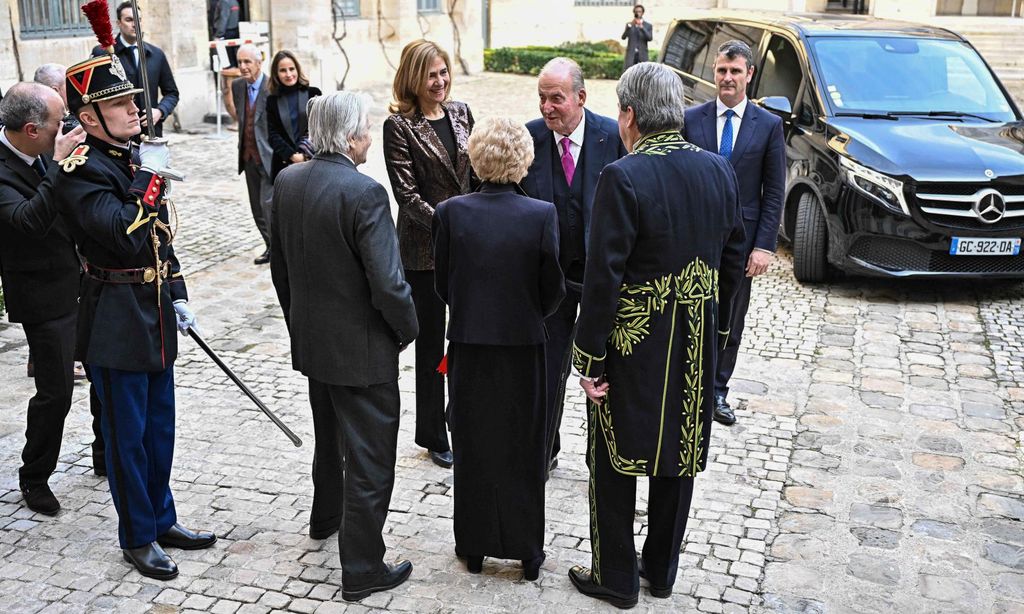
(76, 159)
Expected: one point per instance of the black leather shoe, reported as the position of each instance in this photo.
(323, 532)
(151, 561)
(442, 459)
(474, 564)
(531, 568)
(263, 258)
(723, 412)
(39, 498)
(180, 537)
(661, 592)
(395, 575)
(99, 463)
(584, 582)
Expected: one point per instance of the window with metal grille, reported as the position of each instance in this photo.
(52, 19)
(348, 8)
(605, 2)
(428, 6)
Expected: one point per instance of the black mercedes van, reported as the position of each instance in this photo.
(905, 153)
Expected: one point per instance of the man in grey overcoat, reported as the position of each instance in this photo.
(637, 34)
(349, 312)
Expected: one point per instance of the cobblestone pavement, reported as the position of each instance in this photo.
(875, 466)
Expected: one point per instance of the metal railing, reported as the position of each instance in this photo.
(52, 19)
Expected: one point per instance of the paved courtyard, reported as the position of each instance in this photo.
(875, 466)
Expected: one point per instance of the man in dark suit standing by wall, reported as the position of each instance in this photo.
(637, 34)
(254, 151)
(163, 91)
(571, 145)
(349, 312)
(751, 139)
(40, 272)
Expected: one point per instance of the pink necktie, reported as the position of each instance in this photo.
(568, 166)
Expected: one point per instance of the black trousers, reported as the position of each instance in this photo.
(431, 430)
(356, 432)
(557, 354)
(261, 197)
(612, 510)
(52, 345)
(727, 357)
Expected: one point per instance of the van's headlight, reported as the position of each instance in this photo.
(887, 191)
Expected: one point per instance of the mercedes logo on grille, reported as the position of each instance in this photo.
(990, 207)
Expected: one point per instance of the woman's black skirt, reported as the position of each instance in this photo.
(496, 396)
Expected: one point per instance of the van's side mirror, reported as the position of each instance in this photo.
(778, 105)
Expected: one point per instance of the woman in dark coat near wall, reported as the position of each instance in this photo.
(425, 152)
(287, 127)
(496, 266)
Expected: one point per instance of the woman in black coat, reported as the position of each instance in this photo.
(496, 266)
(287, 126)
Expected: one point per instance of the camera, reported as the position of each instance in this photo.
(70, 123)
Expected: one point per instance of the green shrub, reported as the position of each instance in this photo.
(601, 60)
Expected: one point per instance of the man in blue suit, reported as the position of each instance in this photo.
(751, 139)
(571, 145)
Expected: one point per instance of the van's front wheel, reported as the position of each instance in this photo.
(810, 241)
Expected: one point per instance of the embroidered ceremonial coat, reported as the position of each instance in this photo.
(664, 262)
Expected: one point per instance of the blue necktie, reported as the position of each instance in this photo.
(725, 149)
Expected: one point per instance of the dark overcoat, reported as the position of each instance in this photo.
(283, 136)
(38, 262)
(496, 266)
(334, 262)
(664, 263)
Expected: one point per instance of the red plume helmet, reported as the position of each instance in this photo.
(98, 14)
(101, 77)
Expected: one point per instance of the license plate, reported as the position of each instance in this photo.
(966, 246)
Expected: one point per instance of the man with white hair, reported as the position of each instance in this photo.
(665, 261)
(570, 145)
(349, 311)
(52, 76)
(254, 151)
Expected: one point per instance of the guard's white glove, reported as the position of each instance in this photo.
(155, 156)
(186, 319)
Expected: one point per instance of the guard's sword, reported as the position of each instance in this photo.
(140, 47)
(238, 382)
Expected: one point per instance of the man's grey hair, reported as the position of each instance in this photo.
(655, 94)
(336, 118)
(251, 48)
(50, 75)
(734, 48)
(567, 64)
(25, 103)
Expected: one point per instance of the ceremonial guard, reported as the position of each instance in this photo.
(133, 298)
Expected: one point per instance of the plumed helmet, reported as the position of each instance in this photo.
(101, 77)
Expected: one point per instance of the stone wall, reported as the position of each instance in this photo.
(373, 41)
(182, 36)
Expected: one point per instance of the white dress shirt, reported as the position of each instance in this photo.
(135, 51)
(575, 141)
(736, 121)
